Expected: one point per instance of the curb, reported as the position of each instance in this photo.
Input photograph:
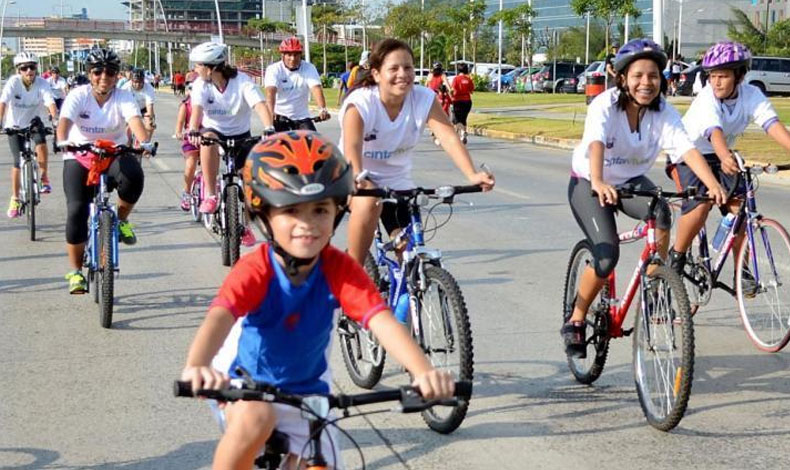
(782, 178)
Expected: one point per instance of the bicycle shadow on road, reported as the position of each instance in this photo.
(152, 306)
(31, 285)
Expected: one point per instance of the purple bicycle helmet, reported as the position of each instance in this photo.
(727, 55)
(639, 49)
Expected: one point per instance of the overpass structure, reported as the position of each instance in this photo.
(109, 29)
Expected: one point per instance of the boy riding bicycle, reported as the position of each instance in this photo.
(275, 310)
(719, 114)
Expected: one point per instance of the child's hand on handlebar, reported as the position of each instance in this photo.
(435, 384)
(718, 195)
(484, 179)
(204, 378)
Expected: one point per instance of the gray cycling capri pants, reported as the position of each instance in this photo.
(598, 222)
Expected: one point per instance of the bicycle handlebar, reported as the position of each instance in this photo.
(408, 396)
(440, 191)
(629, 191)
(228, 144)
(108, 152)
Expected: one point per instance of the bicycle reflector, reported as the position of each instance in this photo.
(445, 191)
(772, 169)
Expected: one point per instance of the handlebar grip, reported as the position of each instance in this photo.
(463, 389)
(468, 189)
(182, 389)
(374, 192)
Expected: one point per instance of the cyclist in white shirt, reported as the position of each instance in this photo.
(715, 119)
(21, 101)
(625, 129)
(98, 111)
(288, 84)
(382, 121)
(222, 103)
(59, 86)
(144, 95)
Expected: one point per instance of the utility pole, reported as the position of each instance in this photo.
(658, 22)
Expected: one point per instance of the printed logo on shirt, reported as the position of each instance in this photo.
(610, 143)
(371, 136)
(17, 97)
(608, 162)
(85, 115)
(291, 321)
(378, 154)
(217, 112)
(211, 100)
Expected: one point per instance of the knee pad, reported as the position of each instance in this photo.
(606, 257)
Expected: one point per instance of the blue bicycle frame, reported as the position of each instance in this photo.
(100, 204)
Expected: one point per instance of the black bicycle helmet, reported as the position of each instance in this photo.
(105, 58)
(138, 75)
(437, 67)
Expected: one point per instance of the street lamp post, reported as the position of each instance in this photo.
(422, 42)
(2, 23)
(306, 32)
(219, 23)
(499, 80)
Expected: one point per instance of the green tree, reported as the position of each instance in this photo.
(517, 20)
(323, 17)
(606, 10)
(471, 16)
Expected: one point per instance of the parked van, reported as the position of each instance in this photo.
(770, 74)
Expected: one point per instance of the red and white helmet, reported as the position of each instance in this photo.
(291, 44)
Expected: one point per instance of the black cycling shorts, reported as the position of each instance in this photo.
(685, 177)
(16, 143)
(283, 124)
(395, 215)
(461, 111)
(240, 153)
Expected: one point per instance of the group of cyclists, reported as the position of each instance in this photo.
(273, 313)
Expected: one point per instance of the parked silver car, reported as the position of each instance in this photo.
(770, 74)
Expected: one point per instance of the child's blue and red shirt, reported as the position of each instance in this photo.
(283, 331)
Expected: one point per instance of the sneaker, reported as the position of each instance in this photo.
(126, 233)
(77, 283)
(248, 237)
(748, 284)
(677, 261)
(573, 334)
(186, 201)
(209, 205)
(46, 188)
(14, 207)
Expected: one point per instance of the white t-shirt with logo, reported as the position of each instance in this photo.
(628, 154)
(22, 105)
(92, 122)
(144, 96)
(227, 111)
(707, 113)
(58, 87)
(293, 88)
(387, 147)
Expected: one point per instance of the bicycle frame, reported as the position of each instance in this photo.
(101, 203)
(746, 214)
(618, 310)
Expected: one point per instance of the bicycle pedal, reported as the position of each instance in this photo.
(628, 332)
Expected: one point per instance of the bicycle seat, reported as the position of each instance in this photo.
(276, 446)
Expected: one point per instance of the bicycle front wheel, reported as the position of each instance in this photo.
(764, 302)
(30, 196)
(664, 350)
(231, 237)
(106, 272)
(587, 370)
(445, 335)
(194, 204)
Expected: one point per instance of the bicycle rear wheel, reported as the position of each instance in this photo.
(587, 370)
(664, 350)
(446, 338)
(362, 354)
(106, 273)
(765, 311)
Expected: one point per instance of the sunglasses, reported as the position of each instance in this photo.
(25, 68)
(97, 72)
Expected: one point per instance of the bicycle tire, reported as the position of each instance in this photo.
(668, 305)
(457, 333)
(696, 278)
(30, 195)
(767, 326)
(587, 370)
(233, 227)
(194, 203)
(106, 271)
(364, 372)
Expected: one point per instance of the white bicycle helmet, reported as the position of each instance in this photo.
(209, 53)
(25, 58)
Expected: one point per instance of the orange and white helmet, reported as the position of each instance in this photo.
(291, 44)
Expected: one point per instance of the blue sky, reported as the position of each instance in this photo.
(99, 9)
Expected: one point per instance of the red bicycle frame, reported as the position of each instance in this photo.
(619, 310)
